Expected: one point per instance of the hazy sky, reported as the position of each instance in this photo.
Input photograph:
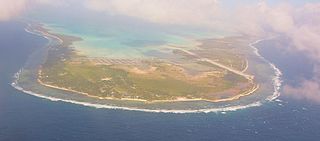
(299, 20)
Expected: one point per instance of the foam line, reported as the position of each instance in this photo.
(276, 82)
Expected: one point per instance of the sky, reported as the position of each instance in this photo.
(298, 20)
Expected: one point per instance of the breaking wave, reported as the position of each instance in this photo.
(224, 109)
(277, 82)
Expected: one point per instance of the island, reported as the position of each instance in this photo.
(215, 71)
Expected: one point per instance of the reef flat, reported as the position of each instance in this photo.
(214, 71)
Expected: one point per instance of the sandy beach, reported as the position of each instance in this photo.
(46, 34)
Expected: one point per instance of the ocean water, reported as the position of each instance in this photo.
(123, 41)
(25, 117)
(116, 36)
(266, 74)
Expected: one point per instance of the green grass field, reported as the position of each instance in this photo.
(167, 81)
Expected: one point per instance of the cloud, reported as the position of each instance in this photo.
(307, 89)
(54, 3)
(197, 12)
(259, 18)
(11, 8)
(305, 35)
(301, 24)
(307, 30)
(256, 18)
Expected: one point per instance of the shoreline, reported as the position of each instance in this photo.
(222, 110)
(276, 80)
(167, 111)
(250, 91)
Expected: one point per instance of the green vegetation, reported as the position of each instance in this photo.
(107, 81)
(149, 80)
(226, 51)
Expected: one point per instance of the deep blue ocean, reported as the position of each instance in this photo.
(28, 118)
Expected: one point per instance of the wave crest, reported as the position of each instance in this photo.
(277, 82)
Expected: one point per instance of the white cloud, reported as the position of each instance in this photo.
(160, 11)
(301, 24)
(307, 89)
(260, 18)
(11, 8)
(306, 34)
(56, 3)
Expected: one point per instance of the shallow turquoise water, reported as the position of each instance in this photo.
(265, 75)
(29, 118)
(124, 42)
(122, 38)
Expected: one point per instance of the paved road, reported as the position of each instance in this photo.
(247, 76)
